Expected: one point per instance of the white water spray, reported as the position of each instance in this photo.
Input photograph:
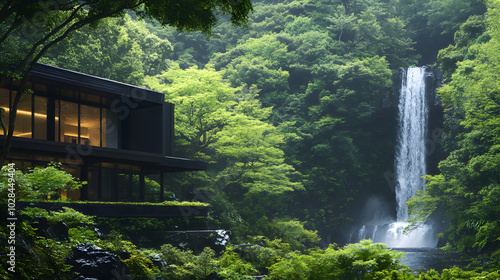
(410, 155)
(410, 159)
(410, 166)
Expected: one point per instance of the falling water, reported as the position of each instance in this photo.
(410, 154)
(362, 232)
(410, 159)
(374, 232)
(410, 166)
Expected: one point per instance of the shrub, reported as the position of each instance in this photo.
(294, 233)
(71, 217)
(140, 267)
(233, 267)
(355, 261)
(40, 183)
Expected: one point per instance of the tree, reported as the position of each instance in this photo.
(30, 28)
(227, 127)
(40, 183)
(467, 192)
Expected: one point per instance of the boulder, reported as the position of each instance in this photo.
(91, 262)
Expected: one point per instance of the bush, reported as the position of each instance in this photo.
(183, 264)
(71, 217)
(294, 233)
(40, 183)
(233, 267)
(354, 261)
(140, 267)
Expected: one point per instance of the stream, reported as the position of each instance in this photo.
(423, 259)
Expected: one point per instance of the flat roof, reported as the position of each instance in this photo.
(83, 80)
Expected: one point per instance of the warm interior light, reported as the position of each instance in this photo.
(22, 134)
(28, 113)
(76, 135)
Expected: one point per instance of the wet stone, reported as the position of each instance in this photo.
(91, 262)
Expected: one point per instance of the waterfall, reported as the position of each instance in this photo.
(410, 166)
(374, 232)
(410, 163)
(362, 233)
(410, 154)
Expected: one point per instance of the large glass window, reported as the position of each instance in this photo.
(120, 182)
(72, 194)
(108, 183)
(129, 186)
(57, 121)
(40, 116)
(23, 117)
(85, 124)
(69, 122)
(110, 125)
(29, 123)
(4, 105)
(152, 187)
(90, 125)
(93, 183)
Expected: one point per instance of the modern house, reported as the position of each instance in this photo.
(116, 136)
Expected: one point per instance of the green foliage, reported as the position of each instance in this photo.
(293, 233)
(285, 113)
(291, 113)
(355, 261)
(140, 267)
(262, 257)
(233, 267)
(467, 189)
(470, 33)
(71, 217)
(22, 184)
(293, 266)
(38, 257)
(166, 203)
(46, 182)
(41, 183)
(119, 49)
(44, 24)
(186, 265)
(226, 126)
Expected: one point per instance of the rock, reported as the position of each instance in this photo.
(124, 254)
(58, 231)
(158, 261)
(92, 262)
(41, 224)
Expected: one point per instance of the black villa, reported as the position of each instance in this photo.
(116, 136)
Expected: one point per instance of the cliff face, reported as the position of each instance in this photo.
(433, 81)
(382, 133)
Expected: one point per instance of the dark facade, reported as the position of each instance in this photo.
(116, 136)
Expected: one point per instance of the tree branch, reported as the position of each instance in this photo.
(47, 37)
(17, 22)
(1, 121)
(7, 11)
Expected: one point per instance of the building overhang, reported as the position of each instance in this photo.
(123, 210)
(76, 154)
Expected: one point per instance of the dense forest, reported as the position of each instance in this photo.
(295, 113)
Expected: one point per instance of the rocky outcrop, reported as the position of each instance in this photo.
(433, 81)
(58, 231)
(91, 262)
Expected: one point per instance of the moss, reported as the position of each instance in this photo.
(165, 203)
